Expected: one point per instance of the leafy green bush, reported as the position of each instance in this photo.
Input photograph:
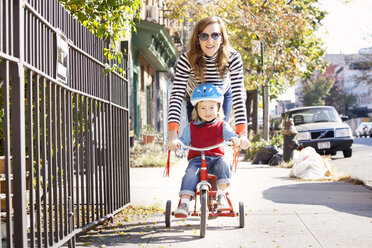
(153, 155)
(258, 142)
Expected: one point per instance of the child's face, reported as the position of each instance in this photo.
(207, 110)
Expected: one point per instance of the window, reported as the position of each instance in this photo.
(361, 66)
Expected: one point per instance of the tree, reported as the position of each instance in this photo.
(341, 100)
(107, 19)
(287, 30)
(364, 65)
(316, 90)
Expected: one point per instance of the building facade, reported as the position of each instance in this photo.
(353, 73)
(153, 52)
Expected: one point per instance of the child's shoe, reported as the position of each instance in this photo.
(182, 211)
(222, 202)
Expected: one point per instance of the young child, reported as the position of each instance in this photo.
(207, 128)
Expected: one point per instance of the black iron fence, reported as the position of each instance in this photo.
(64, 127)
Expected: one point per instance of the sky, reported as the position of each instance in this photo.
(348, 27)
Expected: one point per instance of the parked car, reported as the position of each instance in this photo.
(321, 127)
(364, 129)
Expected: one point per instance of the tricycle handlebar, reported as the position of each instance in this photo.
(202, 149)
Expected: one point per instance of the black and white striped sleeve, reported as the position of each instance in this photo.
(237, 87)
(182, 74)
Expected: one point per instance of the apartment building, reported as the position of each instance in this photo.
(353, 72)
(153, 51)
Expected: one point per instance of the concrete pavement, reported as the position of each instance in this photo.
(280, 212)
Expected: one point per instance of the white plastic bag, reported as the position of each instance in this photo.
(309, 165)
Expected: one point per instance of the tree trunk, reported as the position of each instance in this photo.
(252, 110)
(255, 112)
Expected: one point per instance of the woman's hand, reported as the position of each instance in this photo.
(243, 141)
(235, 141)
(173, 141)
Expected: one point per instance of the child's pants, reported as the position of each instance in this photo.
(217, 166)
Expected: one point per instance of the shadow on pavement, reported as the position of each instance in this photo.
(342, 197)
(136, 233)
(139, 233)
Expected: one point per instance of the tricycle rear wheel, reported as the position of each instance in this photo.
(241, 215)
(168, 213)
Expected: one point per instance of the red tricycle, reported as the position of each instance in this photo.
(206, 190)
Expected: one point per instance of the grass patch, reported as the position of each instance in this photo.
(136, 212)
(115, 224)
(153, 155)
(286, 165)
(349, 179)
(333, 176)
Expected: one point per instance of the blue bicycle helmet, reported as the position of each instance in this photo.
(205, 92)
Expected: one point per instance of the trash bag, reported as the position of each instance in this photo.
(276, 159)
(264, 155)
(309, 165)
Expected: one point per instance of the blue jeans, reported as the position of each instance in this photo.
(226, 106)
(217, 166)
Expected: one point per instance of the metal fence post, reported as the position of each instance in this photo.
(18, 127)
(57, 135)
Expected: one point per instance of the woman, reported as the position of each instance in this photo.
(210, 59)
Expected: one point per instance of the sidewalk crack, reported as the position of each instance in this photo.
(312, 234)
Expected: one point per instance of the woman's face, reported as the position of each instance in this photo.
(207, 110)
(210, 39)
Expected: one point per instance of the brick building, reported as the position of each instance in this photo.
(153, 52)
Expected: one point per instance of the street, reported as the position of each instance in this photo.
(359, 165)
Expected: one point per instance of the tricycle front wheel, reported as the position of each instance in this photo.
(203, 212)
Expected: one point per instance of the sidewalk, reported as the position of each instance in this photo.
(280, 212)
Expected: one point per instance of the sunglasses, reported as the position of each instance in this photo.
(205, 36)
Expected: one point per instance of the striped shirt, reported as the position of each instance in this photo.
(185, 82)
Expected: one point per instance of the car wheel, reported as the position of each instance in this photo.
(347, 153)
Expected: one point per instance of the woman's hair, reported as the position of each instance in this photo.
(195, 54)
(195, 116)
